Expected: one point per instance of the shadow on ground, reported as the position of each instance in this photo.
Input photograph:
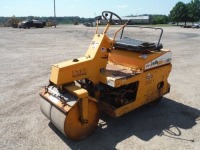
(144, 123)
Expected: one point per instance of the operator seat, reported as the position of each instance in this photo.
(136, 45)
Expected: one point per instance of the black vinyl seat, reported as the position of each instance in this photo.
(135, 45)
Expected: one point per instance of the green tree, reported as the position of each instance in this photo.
(179, 13)
(194, 10)
(159, 19)
(13, 21)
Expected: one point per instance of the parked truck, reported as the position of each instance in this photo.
(31, 23)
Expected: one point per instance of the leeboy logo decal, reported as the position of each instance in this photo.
(81, 72)
(164, 59)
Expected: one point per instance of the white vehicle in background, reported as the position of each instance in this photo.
(196, 26)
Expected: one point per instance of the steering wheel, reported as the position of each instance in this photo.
(105, 14)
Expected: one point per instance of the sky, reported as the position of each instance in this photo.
(85, 8)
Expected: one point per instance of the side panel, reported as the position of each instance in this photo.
(69, 71)
(149, 89)
(85, 67)
(143, 61)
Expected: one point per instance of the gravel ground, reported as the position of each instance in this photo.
(26, 56)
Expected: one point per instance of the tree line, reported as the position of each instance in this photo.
(9, 21)
(181, 12)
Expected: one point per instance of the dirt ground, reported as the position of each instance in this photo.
(26, 56)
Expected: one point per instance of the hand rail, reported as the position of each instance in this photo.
(156, 28)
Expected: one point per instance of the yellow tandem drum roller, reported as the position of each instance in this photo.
(117, 75)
